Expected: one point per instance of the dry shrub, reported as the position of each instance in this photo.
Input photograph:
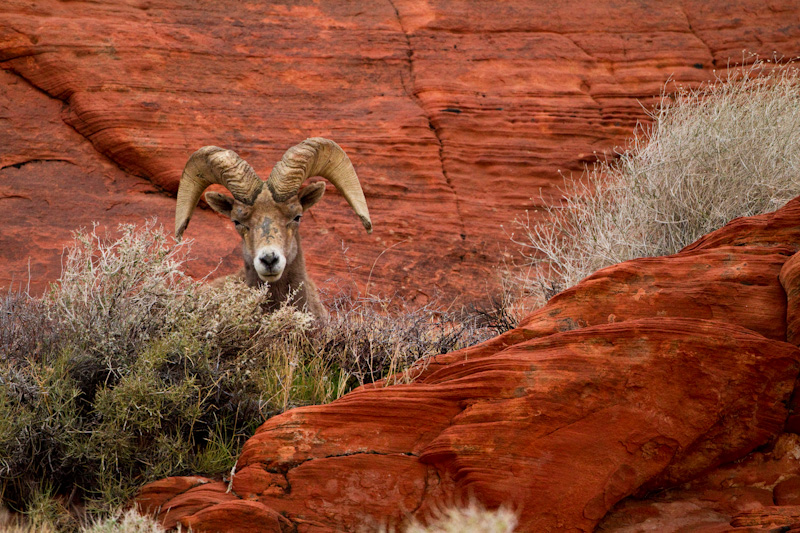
(725, 150)
(25, 326)
(372, 338)
(128, 371)
(472, 518)
(128, 522)
(113, 297)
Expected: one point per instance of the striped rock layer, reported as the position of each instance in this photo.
(458, 116)
(658, 394)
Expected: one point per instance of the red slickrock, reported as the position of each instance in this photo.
(738, 285)
(790, 279)
(778, 228)
(572, 423)
(563, 421)
(787, 492)
(455, 114)
(743, 493)
(151, 501)
(239, 517)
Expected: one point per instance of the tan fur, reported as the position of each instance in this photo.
(265, 223)
(268, 217)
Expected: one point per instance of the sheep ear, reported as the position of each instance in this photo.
(220, 203)
(311, 194)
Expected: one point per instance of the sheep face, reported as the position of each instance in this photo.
(267, 213)
(269, 229)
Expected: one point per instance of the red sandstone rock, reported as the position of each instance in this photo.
(790, 280)
(192, 501)
(734, 275)
(690, 376)
(454, 121)
(745, 490)
(780, 518)
(455, 114)
(571, 423)
(737, 285)
(787, 492)
(151, 501)
(52, 182)
(239, 517)
(778, 228)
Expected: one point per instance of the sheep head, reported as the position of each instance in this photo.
(267, 214)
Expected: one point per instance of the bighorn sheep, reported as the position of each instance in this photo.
(268, 218)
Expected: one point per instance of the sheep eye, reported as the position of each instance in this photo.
(239, 225)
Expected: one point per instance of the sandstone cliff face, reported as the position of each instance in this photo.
(654, 374)
(455, 113)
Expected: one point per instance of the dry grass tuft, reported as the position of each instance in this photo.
(725, 150)
(129, 371)
(472, 518)
(128, 522)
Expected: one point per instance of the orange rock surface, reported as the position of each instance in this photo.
(658, 375)
(757, 492)
(456, 114)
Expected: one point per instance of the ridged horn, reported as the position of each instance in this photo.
(318, 157)
(211, 164)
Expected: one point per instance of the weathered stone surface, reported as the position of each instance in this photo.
(151, 501)
(455, 114)
(770, 518)
(52, 182)
(571, 423)
(737, 285)
(731, 497)
(562, 423)
(790, 280)
(739, 274)
(778, 228)
(193, 501)
(787, 492)
(239, 517)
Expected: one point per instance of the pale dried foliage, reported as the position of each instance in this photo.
(372, 338)
(725, 150)
(130, 371)
(112, 296)
(17, 523)
(128, 522)
(472, 518)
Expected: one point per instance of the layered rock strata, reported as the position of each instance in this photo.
(658, 374)
(456, 115)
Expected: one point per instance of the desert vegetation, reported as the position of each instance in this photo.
(708, 155)
(127, 370)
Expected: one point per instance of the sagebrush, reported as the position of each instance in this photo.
(470, 518)
(128, 371)
(724, 150)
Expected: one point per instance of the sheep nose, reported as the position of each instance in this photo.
(270, 260)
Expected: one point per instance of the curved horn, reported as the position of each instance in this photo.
(319, 157)
(211, 164)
